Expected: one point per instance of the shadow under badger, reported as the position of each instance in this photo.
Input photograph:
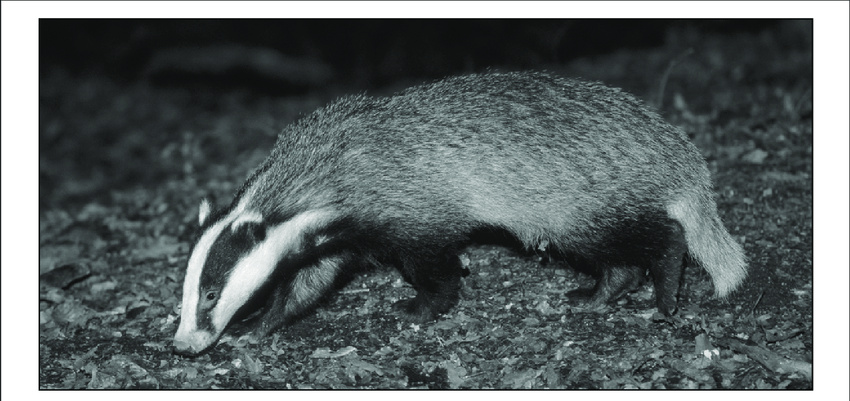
(406, 180)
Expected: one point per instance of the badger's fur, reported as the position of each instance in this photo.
(406, 180)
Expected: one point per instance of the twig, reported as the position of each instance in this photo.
(753, 309)
(667, 75)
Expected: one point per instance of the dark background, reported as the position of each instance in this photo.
(368, 52)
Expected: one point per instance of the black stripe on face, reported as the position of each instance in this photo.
(230, 247)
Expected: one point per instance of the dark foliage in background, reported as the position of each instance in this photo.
(365, 52)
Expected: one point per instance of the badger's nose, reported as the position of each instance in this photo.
(184, 348)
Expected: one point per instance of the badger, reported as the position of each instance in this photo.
(407, 180)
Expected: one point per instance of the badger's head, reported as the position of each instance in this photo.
(236, 254)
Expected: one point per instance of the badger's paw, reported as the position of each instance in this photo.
(587, 298)
(415, 310)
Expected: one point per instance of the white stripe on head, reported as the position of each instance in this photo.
(252, 270)
(192, 282)
(247, 217)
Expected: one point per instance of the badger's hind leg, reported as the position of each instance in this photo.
(653, 242)
(437, 284)
(612, 284)
(667, 269)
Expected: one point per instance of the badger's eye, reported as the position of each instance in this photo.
(208, 300)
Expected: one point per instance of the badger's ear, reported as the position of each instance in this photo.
(204, 211)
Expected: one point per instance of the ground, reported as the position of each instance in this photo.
(123, 166)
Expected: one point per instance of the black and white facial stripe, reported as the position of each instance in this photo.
(231, 261)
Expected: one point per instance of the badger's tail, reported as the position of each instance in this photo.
(709, 242)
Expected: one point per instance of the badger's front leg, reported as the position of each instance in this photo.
(295, 297)
(437, 284)
(272, 317)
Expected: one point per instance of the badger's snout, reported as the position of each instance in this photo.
(184, 348)
(192, 343)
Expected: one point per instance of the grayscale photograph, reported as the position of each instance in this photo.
(435, 203)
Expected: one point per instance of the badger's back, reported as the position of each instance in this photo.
(543, 157)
